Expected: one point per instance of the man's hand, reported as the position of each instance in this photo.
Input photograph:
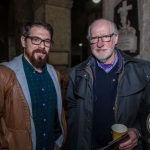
(132, 142)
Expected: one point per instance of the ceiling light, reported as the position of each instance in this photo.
(80, 44)
(96, 1)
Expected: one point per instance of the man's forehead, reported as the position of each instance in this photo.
(40, 30)
(99, 27)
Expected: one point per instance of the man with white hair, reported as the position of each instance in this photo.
(107, 88)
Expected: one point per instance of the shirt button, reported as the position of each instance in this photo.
(42, 89)
(43, 104)
(44, 134)
(44, 119)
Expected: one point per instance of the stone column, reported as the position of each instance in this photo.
(144, 13)
(58, 14)
(108, 9)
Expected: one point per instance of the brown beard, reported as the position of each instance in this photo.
(39, 62)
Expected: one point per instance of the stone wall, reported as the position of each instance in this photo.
(108, 9)
(39, 13)
(145, 29)
(60, 19)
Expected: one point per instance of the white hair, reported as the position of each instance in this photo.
(113, 27)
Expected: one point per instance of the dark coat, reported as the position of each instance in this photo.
(133, 88)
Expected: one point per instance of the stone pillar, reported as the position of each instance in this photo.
(108, 9)
(58, 14)
(144, 12)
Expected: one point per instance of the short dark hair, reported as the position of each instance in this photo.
(29, 25)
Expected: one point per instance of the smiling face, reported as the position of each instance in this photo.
(36, 55)
(103, 51)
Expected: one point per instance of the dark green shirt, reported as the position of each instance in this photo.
(44, 99)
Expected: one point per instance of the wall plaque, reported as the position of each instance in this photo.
(126, 19)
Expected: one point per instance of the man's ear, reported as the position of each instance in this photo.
(23, 41)
(116, 39)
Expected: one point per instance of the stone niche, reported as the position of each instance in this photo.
(126, 19)
(143, 21)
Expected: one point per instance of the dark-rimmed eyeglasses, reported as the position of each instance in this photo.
(37, 41)
(105, 38)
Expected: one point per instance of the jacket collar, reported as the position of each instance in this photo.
(14, 64)
(87, 62)
(123, 58)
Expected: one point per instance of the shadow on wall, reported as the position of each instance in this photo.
(3, 53)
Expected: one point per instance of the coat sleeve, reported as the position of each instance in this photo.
(2, 91)
(2, 97)
(6, 84)
(6, 81)
(71, 104)
(144, 116)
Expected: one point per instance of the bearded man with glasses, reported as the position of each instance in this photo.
(108, 88)
(31, 113)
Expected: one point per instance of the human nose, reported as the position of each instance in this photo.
(100, 42)
(42, 44)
